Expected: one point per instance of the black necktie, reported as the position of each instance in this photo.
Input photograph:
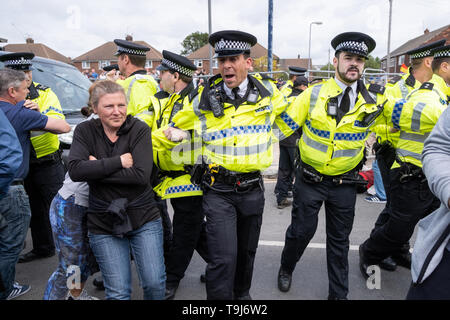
(345, 102)
(236, 93)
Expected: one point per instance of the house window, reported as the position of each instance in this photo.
(149, 64)
(215, 64)
(392, 62)
(401, 60)
(198, 63)
(85, 65)
(103, 63)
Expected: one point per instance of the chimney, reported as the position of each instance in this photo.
(426, 31)
(29, 40)
(129, 37)
(298, 56)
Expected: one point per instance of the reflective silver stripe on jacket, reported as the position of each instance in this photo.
(414, 136)
(407, 153)
(129, 89)
(346, 153)
(415, 119)
(37, 133)
(314, 144)
(314, 96)
(403, 88)
(239, 151)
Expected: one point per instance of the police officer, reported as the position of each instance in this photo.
(46, 174)
(335, 115)
(139, 86)
(233, 114)
(286, 170)
(398, 88)
(294, 72)
(411, 198)
(176, 74)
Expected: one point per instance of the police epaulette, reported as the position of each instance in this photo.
(427, 86)
(266, 77)
(162, 94)
(376, 88)
(395, 79)
(41, 87)
(193, 94)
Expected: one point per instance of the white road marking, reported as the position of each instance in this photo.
(311, 245)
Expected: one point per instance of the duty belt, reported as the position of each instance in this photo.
(52, 157)
(237, 180)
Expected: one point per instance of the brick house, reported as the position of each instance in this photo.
(399, 56)
(39, 49)
(200, 57)
(104, 56)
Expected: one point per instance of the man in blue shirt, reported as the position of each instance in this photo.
(10, 155)
(10, 158)
(14, 207)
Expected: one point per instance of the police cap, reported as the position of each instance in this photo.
(131, 48)
(111, 67)
(18, 60)
(229, 43)
(441, 52)
(354, 42)
(301, 80)
(297, 71)
(174, 62)
(425, 50)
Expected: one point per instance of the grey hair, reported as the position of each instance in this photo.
(10, 78)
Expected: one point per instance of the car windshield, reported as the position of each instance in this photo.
(68, 83)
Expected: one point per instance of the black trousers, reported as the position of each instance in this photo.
(339, 213)
(42, 183)
(436, 286)
(167, 225)
(233, 224)
(410, 202)
(189, 234)
(384, 214)
(285, 172)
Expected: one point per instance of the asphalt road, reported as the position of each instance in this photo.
(310, 281)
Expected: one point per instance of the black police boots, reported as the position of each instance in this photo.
(171, 289)
(388, 264)
(363, 264)
(284, 280)
(403, 259)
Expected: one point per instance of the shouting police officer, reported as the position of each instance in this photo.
(233, 114)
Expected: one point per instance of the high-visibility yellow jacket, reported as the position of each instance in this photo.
(287, 88)
(45, 143)
(139, 88)
(415, 117)
(397, 88)
(333, 149)
(240, 140)
(175, 183)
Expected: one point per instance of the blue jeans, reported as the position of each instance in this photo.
(15, 208)
(113, 256)
(378, 181)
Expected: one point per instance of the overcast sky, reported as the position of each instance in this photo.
(75, 27)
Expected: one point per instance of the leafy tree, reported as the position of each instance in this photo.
(374, 63)
(194, 41)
